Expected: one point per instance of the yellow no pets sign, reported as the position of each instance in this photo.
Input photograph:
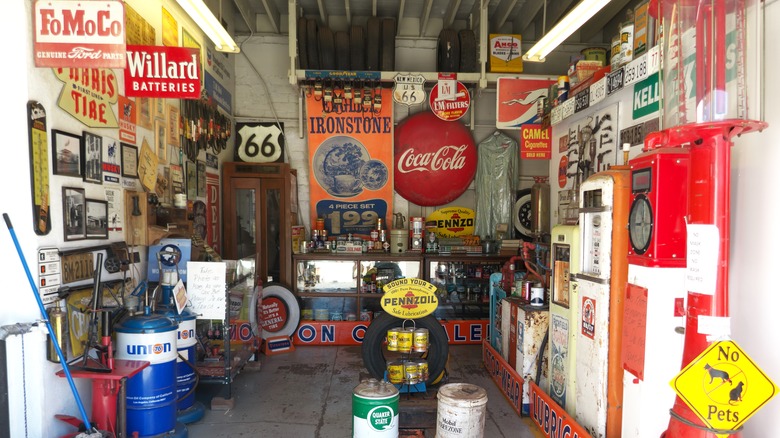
(723, 386)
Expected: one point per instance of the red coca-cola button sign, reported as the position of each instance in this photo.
(435, 160)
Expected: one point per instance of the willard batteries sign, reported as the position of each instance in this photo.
(79, 34)
(158, 71)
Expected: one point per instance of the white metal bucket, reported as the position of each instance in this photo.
(461, 411)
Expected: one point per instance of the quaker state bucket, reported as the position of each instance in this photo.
(375, 410)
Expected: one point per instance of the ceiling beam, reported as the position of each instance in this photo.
(273, 15)
(323, 12)
(502, 13)
(452, 9)
(373, 8)
(528, 12)
(556, 10)
(348, 13)
(600, 20)
(401, 6)
(425, 16)
(244, 9)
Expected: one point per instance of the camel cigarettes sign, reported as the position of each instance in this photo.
(79, 34)
(161, 71)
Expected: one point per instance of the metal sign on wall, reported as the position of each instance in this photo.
(349, 158)
(159, 71)
(79, 34)
(260, 142)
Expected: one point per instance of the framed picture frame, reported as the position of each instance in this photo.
(143, 113)
(92, 157)
(73, 214)
(66, 153)
(160, 144)
(172, 129)
(159, 108)
(97, 219)
(129, 160)
(191, 180)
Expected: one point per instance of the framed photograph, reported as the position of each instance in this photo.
(66, 153)
(173, 126)
(159, 108)
(143, 113)
(201, 179)
(73, 213)
(160, 138)
(129, 161)
(92, 158)
(97, 219)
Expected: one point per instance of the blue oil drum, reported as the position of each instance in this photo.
(185, 346)
(151, 394)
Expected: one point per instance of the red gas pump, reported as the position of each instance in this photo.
(705, 104)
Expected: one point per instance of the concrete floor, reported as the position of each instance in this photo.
(308, 393)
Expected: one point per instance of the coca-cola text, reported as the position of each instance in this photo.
(446, 158)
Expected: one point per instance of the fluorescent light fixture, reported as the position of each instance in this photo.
(571, 22)
(208, 23)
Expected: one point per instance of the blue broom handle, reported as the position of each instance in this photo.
(45, 316)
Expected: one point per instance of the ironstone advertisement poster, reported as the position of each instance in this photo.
(351, 157)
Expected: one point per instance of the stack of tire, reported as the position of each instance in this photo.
(371, 48)
(456, 51)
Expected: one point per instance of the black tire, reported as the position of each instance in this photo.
(448, 51)
(342, 50)
(373, 349)
(312, 44)
(327, 49)
(357, 48)
(301, 40)
(373, 30)
(468, 51)
(522, 211)
(387, 63)
(291, 304)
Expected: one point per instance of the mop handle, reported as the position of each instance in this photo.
(84, 416)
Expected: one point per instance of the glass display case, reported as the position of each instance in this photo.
(336, 287)
(464, 283)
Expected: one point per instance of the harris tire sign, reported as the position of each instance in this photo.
(79, 34)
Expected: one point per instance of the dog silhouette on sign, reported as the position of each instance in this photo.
(717, 374)
(735, 395)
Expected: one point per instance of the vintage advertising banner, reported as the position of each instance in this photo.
(350, 157)
(159, 71)
(212, 214)
(535, 142)
(518, 99)
(79, 34)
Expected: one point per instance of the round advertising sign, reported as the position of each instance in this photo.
(435, 160)
(450, 109)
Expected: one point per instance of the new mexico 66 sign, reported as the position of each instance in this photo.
(409, 298)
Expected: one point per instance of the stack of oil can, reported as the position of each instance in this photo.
(407, 370)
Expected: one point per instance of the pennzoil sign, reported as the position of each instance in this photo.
(409, 298)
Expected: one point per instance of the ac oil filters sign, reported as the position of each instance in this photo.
(409, 298)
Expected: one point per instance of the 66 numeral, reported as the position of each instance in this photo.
(266, 148)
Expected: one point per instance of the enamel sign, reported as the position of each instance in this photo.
(409, 298)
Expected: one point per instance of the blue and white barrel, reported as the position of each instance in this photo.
(185, 363)
(151, 394)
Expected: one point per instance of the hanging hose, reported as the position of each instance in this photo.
(44, 315)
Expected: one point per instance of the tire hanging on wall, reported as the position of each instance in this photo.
(303, 56)
(312, 44)
(342, 50)
(522, 214)
(290, 304)
(468, 51)
(387, 63)
(373, 29)
(448, 51)
(357, 48)
(373, 349)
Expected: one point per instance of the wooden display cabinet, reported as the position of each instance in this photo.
(146, 224)
(260, 205)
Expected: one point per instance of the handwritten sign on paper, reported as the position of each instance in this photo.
(207, 289)
(703, 245)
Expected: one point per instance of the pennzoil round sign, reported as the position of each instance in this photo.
(409, 298)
